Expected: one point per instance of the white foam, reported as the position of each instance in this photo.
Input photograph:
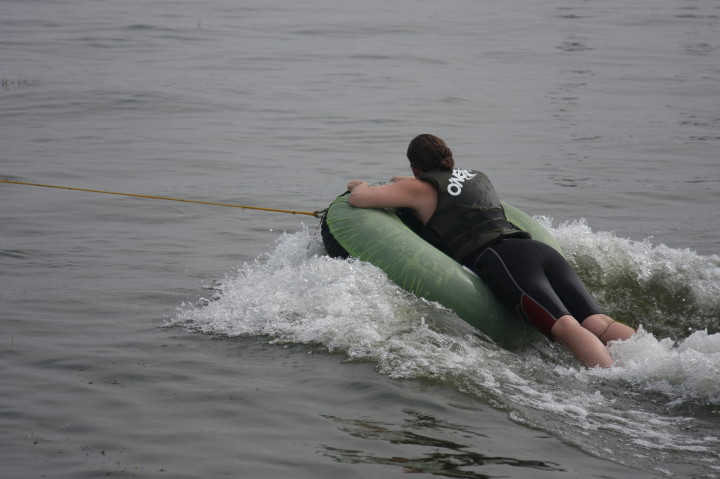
(687, 373)
(681, 270)
(296, 294)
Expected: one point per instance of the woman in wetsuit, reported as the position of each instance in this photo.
(461, 215)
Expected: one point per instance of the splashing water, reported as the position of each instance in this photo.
(658, 408)
(671, 291)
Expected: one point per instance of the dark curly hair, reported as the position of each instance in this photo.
(426, 152)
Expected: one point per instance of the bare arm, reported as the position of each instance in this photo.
(411, 193)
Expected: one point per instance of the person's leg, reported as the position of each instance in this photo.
(607, 329)
(513, 271)
(516, 272)
(580, 302)
(584, 344)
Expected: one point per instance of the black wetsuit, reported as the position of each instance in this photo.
(535, 281)
(528, 276)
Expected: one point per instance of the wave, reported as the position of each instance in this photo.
(670, 291)
(658, 397)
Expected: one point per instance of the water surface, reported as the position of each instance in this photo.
(143, 337)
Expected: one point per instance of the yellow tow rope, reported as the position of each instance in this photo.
(316, 214)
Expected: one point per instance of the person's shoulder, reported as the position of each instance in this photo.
(415, 185)
(417, 188)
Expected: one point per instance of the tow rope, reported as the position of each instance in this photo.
(316, 214)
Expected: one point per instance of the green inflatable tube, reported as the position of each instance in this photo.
(379, 237)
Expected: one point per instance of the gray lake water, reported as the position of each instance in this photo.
(146, 338)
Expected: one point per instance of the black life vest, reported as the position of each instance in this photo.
(469, 216)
